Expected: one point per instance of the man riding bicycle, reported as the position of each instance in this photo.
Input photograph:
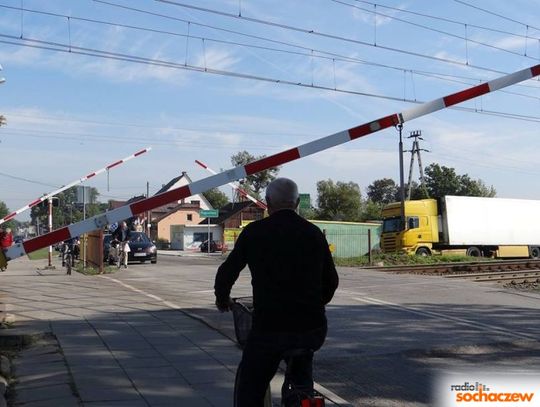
(122, 235)
(293, 278)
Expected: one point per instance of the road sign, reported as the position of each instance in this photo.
(209, 213)
(305, 201)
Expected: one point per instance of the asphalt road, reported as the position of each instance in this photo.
(390, 336)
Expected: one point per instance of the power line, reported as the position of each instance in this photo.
(15, 177)
(496, 14)
(448, 20)
(329, 36)
(67, 48)
(157, 128)
(324, 54)
(436, 30)
(335, 56)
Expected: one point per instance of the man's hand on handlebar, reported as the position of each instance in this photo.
(224, 306)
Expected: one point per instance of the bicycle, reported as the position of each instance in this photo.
(121, 254)
(292, 395)
(68, 257)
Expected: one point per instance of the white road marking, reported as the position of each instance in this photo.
(169, 304)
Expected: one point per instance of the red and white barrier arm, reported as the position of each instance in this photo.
(235, 185)
(283, 157)
(72, 184)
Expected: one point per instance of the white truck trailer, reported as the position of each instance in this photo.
(491, 227)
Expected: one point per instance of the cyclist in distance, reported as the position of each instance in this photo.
(293, 277)
(122, 235)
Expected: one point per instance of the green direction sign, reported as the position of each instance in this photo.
(209, 213)
(305, 201)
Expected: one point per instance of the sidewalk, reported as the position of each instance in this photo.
(187, 253)
(97, 343)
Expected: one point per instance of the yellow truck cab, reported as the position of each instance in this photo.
(421, 227)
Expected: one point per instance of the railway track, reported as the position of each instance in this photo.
(507, 271)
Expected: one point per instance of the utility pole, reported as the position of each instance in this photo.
(401, 177)
(148, 224)
(50, 202)
(82, 238)
(417, 135)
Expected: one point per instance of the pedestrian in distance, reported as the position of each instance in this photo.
(6, 241)
(293, 277)
(122, 234)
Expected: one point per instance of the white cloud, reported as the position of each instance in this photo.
(216, 58)
(114, 40)
(374, 15)
(19, 56)
(514, 43)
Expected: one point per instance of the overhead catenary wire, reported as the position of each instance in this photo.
(275, 41)
(484, 44)
(330, 36)
(59, 47)
(18, 178)
(448, 20)
(496, 14)
(323, 54)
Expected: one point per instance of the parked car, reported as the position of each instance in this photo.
(141, 248)
(214, 246)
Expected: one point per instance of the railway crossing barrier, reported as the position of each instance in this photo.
(127, 211)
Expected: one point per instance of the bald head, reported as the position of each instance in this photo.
(282, 193)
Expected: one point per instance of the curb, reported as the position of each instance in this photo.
(5, 373)
(172, 253)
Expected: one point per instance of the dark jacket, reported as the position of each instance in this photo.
(293, 274)
(121, 235)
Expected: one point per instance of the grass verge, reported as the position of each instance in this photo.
(403, 259)
(40, 254)
(93, 271)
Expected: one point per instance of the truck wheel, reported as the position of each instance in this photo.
(423, 251)
(535, 252)
(474, 252)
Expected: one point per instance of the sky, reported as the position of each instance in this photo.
(90, 82)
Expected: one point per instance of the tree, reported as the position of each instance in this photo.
(68, 211)
(254, 184)
(339, 201)
(470, 187)
(4, 210)
(216, 198)
(417, 191)
(441, 181)
(382, 191)
(371, 211)
(3, 120)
